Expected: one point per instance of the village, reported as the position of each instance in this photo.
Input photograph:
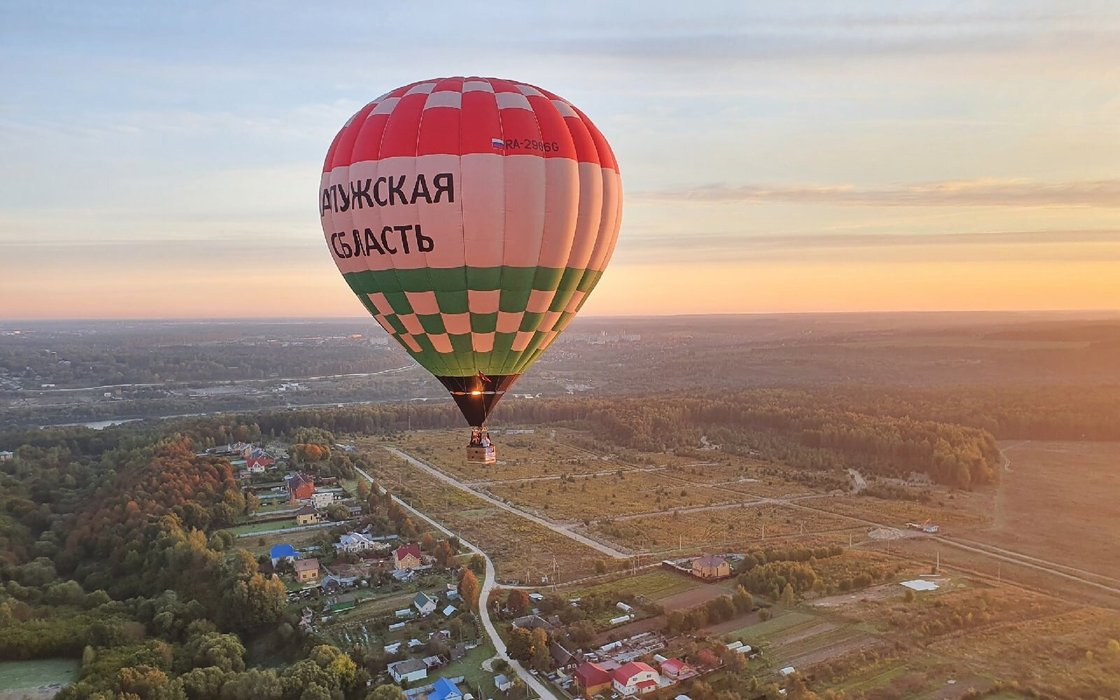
(367, 575)
(399, 597)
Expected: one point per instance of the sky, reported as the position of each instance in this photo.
(162, 160)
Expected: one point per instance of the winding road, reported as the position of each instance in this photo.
(488, 583)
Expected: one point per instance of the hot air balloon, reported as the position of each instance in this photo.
(471, 217)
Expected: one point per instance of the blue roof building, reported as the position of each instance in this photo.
(280, 552)
(445, 690)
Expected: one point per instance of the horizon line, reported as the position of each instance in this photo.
(867, 312)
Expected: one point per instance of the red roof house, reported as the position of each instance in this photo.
(407, 557)
(259, 464)
(635, 678)
(676, 670)
(593, 679)
(301, 487)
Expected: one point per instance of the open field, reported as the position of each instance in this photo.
(520, 456)
(656, 584)
(961, 510)
(20, 679)
(623, 493)
(967, 631)
(737, 526)
(523, 551)
(252, 528)
(1059, 501)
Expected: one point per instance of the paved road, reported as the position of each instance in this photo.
(559, 528)
(488, 583)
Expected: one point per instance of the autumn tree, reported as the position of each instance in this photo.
(386, 691)
(788, 597)
(743, 600)
(520, 644)
(469, 588)
(444, 554)
(541, 655)
(477, 564)
(517, 601)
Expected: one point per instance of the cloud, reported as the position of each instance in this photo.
(949, 193)
(1042, 245)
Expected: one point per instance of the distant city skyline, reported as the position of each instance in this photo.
(163, 160)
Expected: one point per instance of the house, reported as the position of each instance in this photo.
(258, 461)
(532, 622)
(322, 499)
(444, 689)
(332, 583)
(710, 567)
(561, 657)
(282, 552)
(424, 604)
(308, 516)
(449, 611)
(593, 679)
(6, 456)
(306, 570)
(301, 488)
(634, 678)
(676, 670)
(408, 671)
(407, 557)
(355, 542)
(502, 683)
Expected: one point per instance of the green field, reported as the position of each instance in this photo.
(251, 528)
(779, 623)
(470, 667)
(655, 585)
(18, 675)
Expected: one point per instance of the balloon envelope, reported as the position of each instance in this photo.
(471, 217)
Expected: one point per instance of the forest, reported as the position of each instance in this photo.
(114, 553)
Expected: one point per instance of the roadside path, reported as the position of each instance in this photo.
(559, 528)
(488, 583)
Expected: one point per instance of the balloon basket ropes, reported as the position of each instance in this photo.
(480, 450)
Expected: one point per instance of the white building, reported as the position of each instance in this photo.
(409, 670)
(424, 604)
(635, 678)
(357, 542)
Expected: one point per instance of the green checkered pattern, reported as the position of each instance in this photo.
(438, 337)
